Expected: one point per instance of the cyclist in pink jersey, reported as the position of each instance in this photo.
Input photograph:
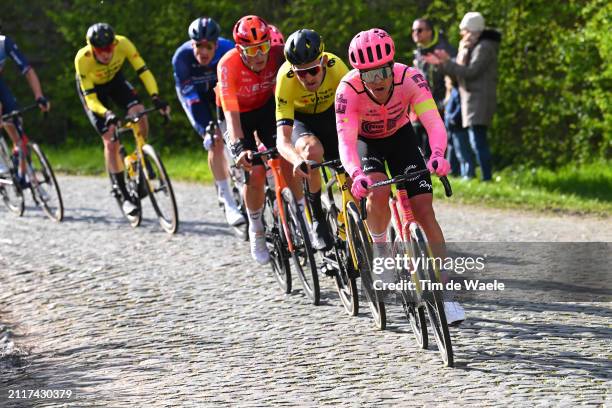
(373, 102)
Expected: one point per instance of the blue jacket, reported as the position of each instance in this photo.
(9, 49)
(452, 111)
(195, 83)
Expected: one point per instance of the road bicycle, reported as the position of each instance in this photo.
(27, 167)
(286, 231)
(337, 261)
(145, 175)
(410, 240)
(351, 255)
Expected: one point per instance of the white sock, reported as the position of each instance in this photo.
(225, 193)
(255, 223)
(379, 238)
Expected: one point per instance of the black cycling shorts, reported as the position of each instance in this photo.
(119, 90)
(323, 126)
(261, 120)
(398, 151)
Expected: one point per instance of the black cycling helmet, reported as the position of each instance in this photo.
(100, 35)
(204, 28)
(303, 46)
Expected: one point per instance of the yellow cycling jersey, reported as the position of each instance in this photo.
(90, 72)
(291, 96)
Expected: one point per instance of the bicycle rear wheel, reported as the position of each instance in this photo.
(414, 314)
(238, 181)
(363, 254)
(279, 255)
(346, 284)
(11, 193)
(432, 297)
(160, 189)
(303, 252)
(45, 188)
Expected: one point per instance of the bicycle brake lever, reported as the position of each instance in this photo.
(447, 187)
(448, 191)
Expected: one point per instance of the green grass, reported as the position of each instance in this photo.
(571, 189)
(584, 190)
(187, 165)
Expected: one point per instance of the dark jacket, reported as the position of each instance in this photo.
(452, 111)
(434, 74)
(478, 80)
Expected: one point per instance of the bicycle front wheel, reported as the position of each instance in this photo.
(11, 194)
(432, 297)
(45, 188)
(414, 313)
(362, 248)
(131, 186)
(345, 275)
(160, 190)
(279, 255)
(303, 253)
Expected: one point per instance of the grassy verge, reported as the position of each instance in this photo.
(585, 190)
(187, 165)
(571, 189)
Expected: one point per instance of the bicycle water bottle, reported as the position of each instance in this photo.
(130, 164)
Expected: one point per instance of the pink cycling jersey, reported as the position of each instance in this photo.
(357, 113)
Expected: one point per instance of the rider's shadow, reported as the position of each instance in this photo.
(205, 228)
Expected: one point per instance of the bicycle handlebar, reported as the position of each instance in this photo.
(401, 179)
(19, 112)
(272, 151)
(335, 164)
(136, 117)
(411, 175)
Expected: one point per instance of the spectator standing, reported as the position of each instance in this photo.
(476, 71)
(428, 39)
(459, 144)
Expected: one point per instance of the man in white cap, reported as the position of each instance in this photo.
(476, 71)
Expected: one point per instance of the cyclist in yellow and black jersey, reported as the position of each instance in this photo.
(306, 122)
(292, 96)
(99, 80)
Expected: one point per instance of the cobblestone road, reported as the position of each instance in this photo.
(137, 318)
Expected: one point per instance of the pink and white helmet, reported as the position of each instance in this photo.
(370, 49)
(276, 37)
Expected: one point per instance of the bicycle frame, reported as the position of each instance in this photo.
(132, 126)
(22, 148)
(340, 179)
(402, 215)
(274, 163)
(403, 219)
